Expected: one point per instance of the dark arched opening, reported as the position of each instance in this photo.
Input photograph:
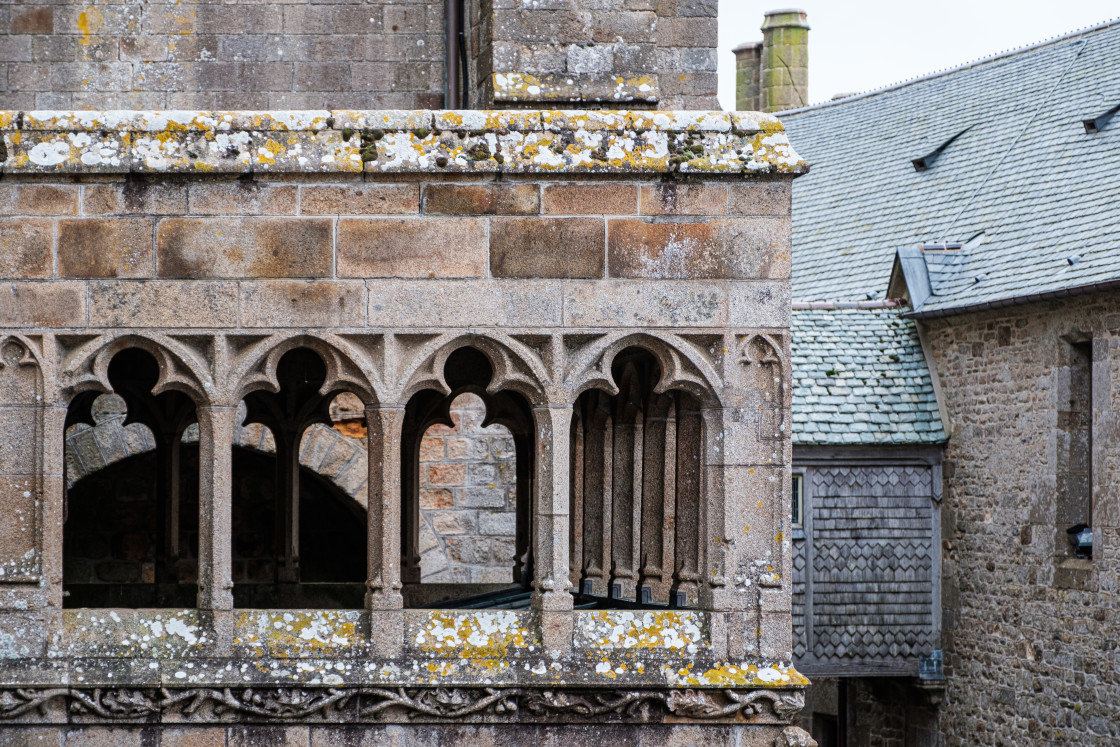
(636, 491)
(147, 548)
(110, 551)
(303, 540)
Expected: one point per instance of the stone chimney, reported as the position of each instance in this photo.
(773, 75)
(785, 60)
(748, 68)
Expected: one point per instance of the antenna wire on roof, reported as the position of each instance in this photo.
(1049, 97)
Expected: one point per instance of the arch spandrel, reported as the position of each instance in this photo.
(350, 367)
(682, 367)
(515, 367)
(182, 367)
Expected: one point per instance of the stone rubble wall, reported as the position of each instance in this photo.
(467, 499)
(1028, 629)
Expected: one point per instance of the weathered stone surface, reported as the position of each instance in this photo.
(243, 198)
(42, 304)
(303, 304)
(481, 199)
(25, 248)
(38, 199)
(761, 198)
(412, 248)
(481, 303)
(360, 199)
(590, 199)
(135, 303)
(684, 199)
(137, 196)
(740, 248)
(244, 247)
(547, 247)
(620, 303)
(105, 248)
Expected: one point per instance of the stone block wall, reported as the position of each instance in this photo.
(641, 52)
(204, 55)
(302, 54)
(1027, 626)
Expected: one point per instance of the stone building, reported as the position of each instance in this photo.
(264, 303)
(955, 305)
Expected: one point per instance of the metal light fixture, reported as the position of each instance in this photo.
(1081, 537)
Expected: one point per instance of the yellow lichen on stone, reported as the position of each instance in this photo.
(475, 636)
(298, 633)
(673, 631)
(742, 675)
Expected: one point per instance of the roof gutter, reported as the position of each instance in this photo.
(1014, 300)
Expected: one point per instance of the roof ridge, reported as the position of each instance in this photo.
(957, 68)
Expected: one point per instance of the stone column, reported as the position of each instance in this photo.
(596, 471)
(215, 472)
(383, 509)
(550, 525)
(383, 512)
(659, 477)
(54, 499)
(690, 496)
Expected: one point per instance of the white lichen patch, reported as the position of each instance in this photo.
(299, 633)
(472, 636)
(382, 119)
(396, 141)
(125, 633)
(669, 631)
(729, 674)
(304, 152)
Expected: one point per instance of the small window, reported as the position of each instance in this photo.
(798, 504)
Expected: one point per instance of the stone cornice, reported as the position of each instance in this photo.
(742, 144)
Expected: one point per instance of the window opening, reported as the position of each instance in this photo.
(130, 531)
(797, 509)
(298, 514)
(1074, 509)
(636, 487)
(466, 486)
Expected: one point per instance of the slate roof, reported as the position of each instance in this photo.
(859, 377)
(1025, 178)
(1022, 186)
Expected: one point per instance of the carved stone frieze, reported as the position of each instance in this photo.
(398, 705)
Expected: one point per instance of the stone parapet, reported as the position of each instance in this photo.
(396, 141)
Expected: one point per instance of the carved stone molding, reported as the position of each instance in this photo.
(397, 705)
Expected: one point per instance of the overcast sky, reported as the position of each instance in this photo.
(858, 45)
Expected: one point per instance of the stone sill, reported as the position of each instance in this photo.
(334, 647)
(743, 144)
